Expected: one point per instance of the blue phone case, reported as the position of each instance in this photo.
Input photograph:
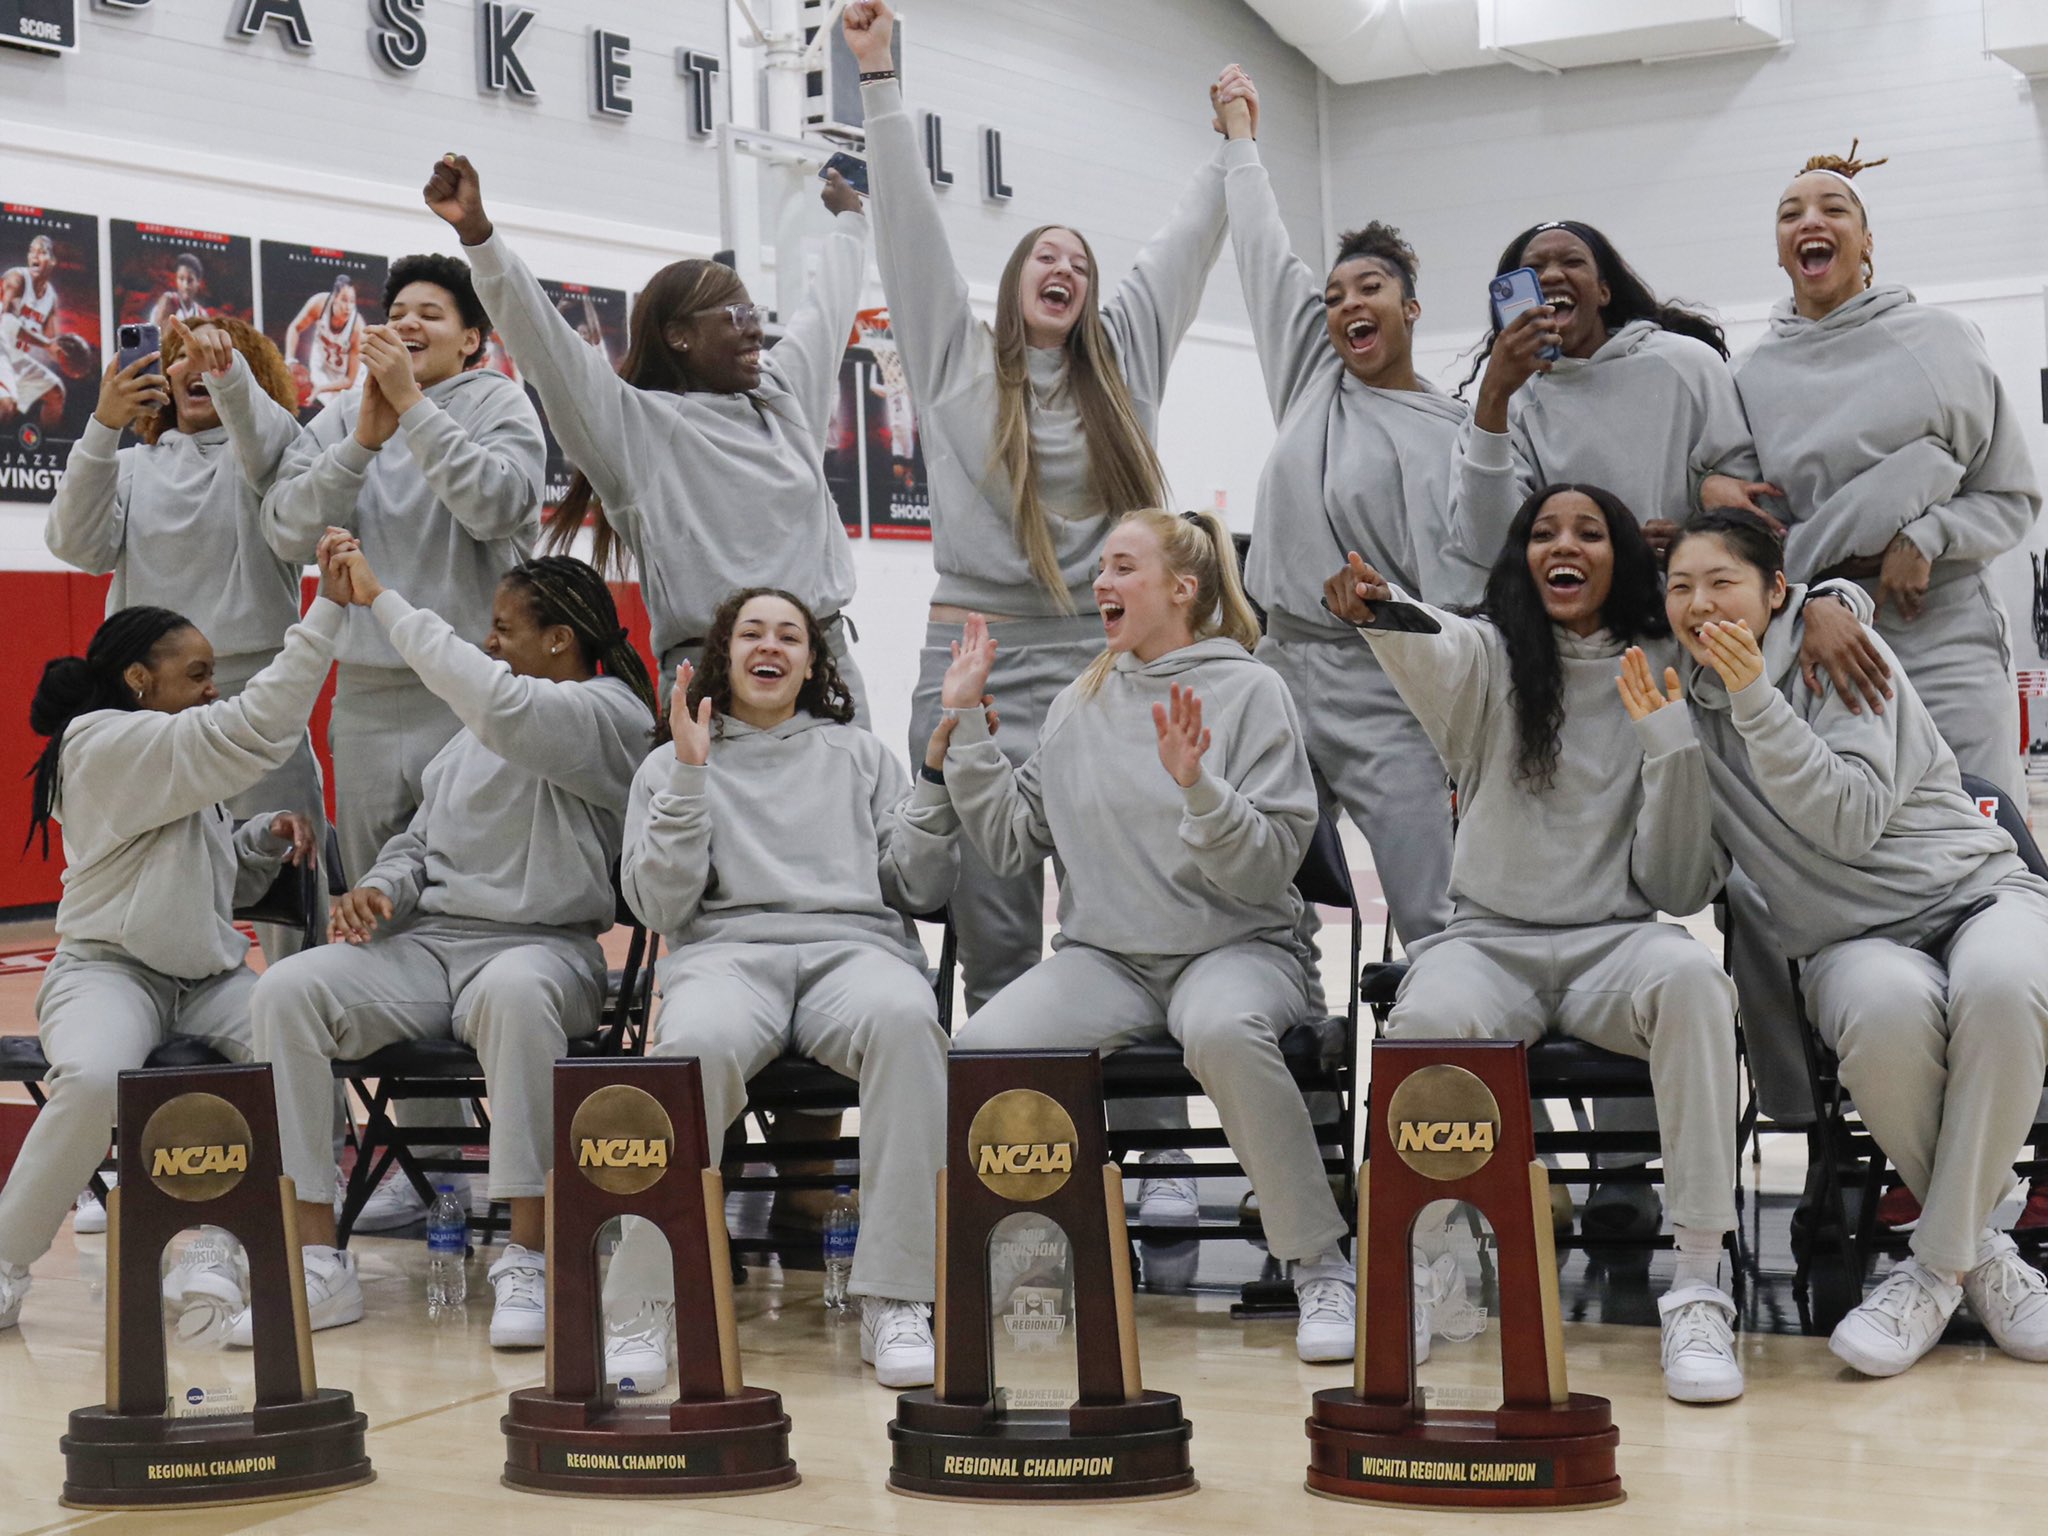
(1515, 293)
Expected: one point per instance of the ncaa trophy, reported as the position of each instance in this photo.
(199, 1145)
(629, 1141)
(1031, 1228)
(1450, 1121)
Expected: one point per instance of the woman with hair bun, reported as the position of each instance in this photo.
(1171, 782)
(1362, 460)
(178, 519)
(141, 751)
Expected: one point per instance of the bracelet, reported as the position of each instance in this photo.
(931, 775)
(869, 76)
(959, 711)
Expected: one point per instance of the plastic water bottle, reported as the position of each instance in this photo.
(842, 1231)
(447, 1247)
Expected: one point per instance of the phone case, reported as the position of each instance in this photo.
(1515, 293)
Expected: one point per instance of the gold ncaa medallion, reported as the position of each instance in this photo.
(1023, 1145)
(1444, 1121)
(623, 1138)
(196, 1147)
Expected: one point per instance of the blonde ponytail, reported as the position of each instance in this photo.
(1196, 544)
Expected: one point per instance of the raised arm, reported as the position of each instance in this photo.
(487, 471)
(1442, 677)
(1281, 294)
(1491, 477)
(261, 430)
(806, 360)
(1157, 301)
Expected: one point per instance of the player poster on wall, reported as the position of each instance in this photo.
(899, 495)
(598, 315)
(843, 439)
(49, 343)
(166, 271)
(317, 301)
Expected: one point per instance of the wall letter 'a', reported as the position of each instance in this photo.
(289, 15)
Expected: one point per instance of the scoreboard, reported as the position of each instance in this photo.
(47, 26)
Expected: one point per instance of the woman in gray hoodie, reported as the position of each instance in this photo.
(1171, 782)
(1924, 939)
(177, 519)
(142, 750)
(702, 456)
(1575, 831)
(1037, 434)
(480, 920)
(781, 851)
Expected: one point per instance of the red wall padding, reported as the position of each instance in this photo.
(53, 613)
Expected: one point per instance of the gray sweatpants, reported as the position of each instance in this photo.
(99, 1012)
(860, 1010)
(294, 787)
(1228, 1009)
(516, 994)
(385, 729)
(1944, 1055)
(1642, 989)
(1000, 922)
(1959, 655)
(1371, 755)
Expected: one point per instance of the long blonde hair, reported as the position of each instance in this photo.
(1124, 473)
(1196, 544)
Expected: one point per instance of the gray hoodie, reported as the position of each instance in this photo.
(1886, 416)
(804, 833)
(708, 492)
(153, 862)
(1147, 867)
(180, 524)
(1352, 467)
(1622, 832)
(447, 506)
(520, 815)
(949, 354)
(1648, 416)
(1852, 825)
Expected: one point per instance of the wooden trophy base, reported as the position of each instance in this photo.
(285, 1451)
(737, 1444)
(1133, 1450)
(1510, 1458)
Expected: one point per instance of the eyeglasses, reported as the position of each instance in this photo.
(743, 315)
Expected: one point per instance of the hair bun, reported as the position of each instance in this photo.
(66, 691)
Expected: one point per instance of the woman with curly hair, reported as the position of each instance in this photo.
(178, 518)
(782, 852)
(1575, 830)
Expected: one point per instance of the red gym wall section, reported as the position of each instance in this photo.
(53, 613)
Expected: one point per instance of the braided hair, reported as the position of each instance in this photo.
(78, 685)
(824, 693)
(565, 590)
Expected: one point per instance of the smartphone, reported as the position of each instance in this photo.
(137, 341)
(1397, 617)
(1516, 293)
(852, 167)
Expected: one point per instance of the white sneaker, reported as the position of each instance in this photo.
(2010, 1299)
(636, 1349)
(334, 1296)
(208, 1288)
(395, 1204)
(896, 1339)
(13, 1286)
(1168, 1199)
(1326, 1328)
(1900, 1322)
(89, 1215)
(1699, 1344)
(519, 1311)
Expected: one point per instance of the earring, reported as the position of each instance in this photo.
(554, 650)
(138, 695)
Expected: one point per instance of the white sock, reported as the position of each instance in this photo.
(1330, 1264)
(1699, 1257)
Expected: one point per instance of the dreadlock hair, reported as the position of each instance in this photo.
(78, 685)
(1196, 544)
(678, 291)
(1634, 610)
(563, 590)
(273, 376)
(1124, 472)
(824, 693)
(451, 274)
(1381, 243)
(1848, 167)
(1628, 296)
